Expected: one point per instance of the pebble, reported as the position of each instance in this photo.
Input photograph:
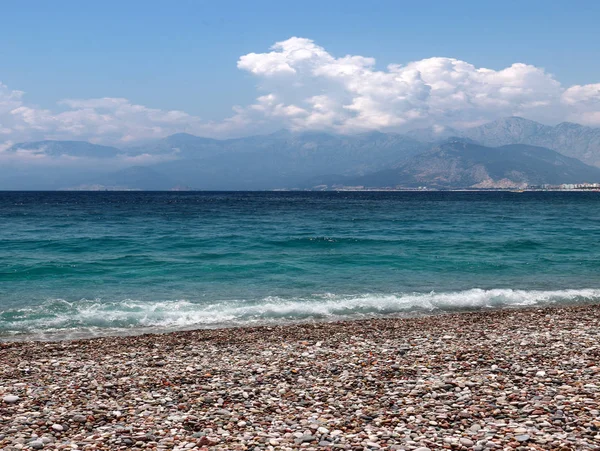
(505, 379)
(10, 399)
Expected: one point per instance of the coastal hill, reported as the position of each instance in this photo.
(460, 164)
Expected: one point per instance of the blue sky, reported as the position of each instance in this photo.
(183, 55)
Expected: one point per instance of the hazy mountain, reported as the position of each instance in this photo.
(460, 164)
(433, 134)
(183, 145)
(37, 177)
(283, 159)
(570, 139)
(509, 130)
(279, 160)
(81, 149)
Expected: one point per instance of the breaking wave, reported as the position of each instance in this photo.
(60, 319)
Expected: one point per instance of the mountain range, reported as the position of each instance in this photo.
(573, 140)
(460, 164)
(439, 157)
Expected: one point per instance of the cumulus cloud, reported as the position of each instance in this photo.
(304, 87)
(348, 94)
(112, 120)
(583, 103)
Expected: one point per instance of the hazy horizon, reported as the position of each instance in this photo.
(434, 129)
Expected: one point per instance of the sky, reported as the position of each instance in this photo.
(121, 72)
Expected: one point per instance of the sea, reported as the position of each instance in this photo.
(83, 264)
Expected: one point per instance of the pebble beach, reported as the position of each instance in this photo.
(522, 379)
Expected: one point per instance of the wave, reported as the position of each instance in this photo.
(59, 319)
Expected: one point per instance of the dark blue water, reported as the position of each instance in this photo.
(76, 264)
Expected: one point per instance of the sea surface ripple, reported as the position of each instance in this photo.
(84, 264)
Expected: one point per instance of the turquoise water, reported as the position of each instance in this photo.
(79, 264)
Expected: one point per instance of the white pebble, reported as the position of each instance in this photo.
(10, 399)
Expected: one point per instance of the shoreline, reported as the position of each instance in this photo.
(524, 378)
(65, 336)
(68, 335)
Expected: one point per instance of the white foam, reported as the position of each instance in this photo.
(93, 317)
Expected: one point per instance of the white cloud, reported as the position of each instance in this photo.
(433, 91)
(583, 104)
(302, 86)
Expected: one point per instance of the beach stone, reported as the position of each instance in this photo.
(10, 399)
(466, 442)
(58, 427)
(305, 438)
(442, 391)
(36, 444)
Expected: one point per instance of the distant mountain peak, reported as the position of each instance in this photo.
(515, 119)
(183, 135)
(571, 139)
(572, 125)
(281, 132)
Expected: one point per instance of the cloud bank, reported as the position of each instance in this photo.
(303, 87)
